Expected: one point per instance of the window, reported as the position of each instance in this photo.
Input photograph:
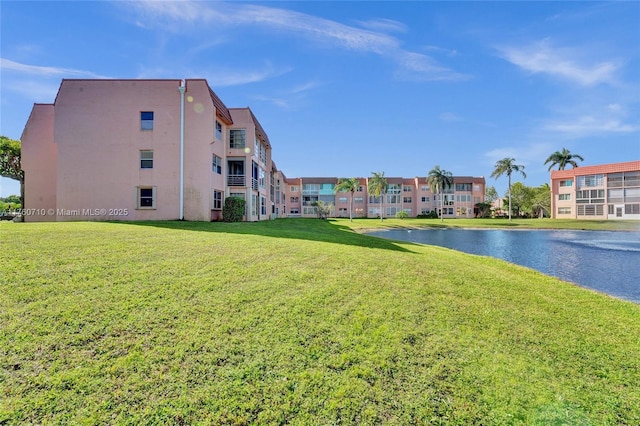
(587, 196)
(615, 180)
(146, 159)
(295, 200)
(590, 210)
(393, 199)
(591, 180)
(263, 206)
(406, 189)
(358, 200)
(425, 188)
(463, 198)
(261, 151)
(406, 199)
(466, 187)
(566, 183)
(342, 199)
(294, 211)
(294, 189)
(146, 197)
(632, 209)
(146, 120)
(424, 199)
(310, 188)
(564, 197)
(236, 138)
(564, 210)
(217, 200)
(218, 130)
(393, 188)
(216, 164)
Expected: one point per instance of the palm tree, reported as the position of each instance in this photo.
(439, 180)
(562, 158)
(378, 188)
(348, 185)
(507, 165)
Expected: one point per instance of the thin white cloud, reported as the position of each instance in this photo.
(588, 125)
(44, 71)
(567, 63)
(527, 154)
(413, 65)
(301, 88)
(416, 66)
(223, 77)
(381, 24)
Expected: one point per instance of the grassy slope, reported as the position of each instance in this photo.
(298, 321)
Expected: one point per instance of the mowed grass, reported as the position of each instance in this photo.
(297, 322)
(590, 225)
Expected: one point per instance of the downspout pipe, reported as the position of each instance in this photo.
(182, 89)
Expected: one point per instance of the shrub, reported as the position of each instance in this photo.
(402, 215)
(233, 209)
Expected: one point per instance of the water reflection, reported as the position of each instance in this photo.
(601, 260)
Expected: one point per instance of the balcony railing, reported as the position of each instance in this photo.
(235, 180)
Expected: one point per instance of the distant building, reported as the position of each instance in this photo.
(411, 195)
(608, 191)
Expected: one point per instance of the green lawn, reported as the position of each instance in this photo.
(592, 225)
(298, 322)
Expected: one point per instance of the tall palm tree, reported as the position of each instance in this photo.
(507, 166)
(378, 188)
(348, 185)
(440, 180)
(562, 158)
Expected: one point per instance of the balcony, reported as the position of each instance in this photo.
(235, 180)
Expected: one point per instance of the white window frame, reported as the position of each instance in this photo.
(146, 120)
(140, 197)
(146, 159)
(217, 197)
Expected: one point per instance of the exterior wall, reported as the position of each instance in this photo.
(256, 195)
(39, 161)
(294, 200)
(99, 138)
(608, 191)
(343, 201)
(313, 189)
(411, 195)
(279, 201)
(201, 144)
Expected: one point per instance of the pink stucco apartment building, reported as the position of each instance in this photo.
(607, 191)
(411, 195)
(171, 149)
(144, 150)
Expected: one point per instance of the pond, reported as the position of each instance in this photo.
(605, 261)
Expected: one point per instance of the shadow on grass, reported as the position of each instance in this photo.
(298, 229)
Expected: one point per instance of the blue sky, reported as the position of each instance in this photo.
(349, 88)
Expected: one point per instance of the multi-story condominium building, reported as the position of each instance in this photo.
(411, 195)
(608, 191)
(145, 150)
(171, 149)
